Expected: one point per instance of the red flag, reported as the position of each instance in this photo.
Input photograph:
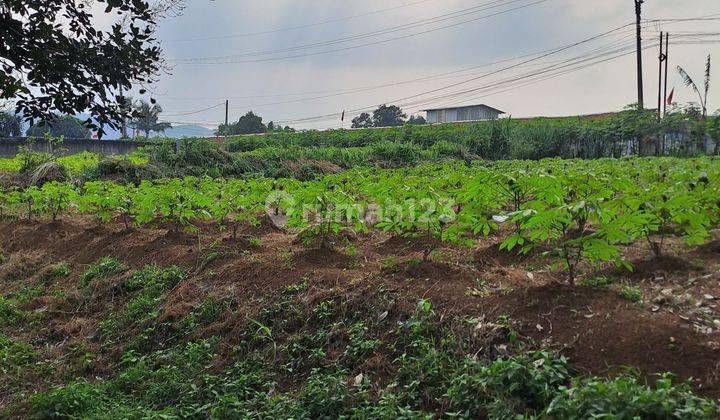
(342, 117)
(670, 96)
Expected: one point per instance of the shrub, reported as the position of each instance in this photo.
(626, 398)
(122, 169)
(103, 268)
(631, 293)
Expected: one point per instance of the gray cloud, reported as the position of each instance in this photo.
(607, 86)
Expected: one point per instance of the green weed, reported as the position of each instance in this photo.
(632, 293)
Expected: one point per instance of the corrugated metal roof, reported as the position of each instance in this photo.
(464, 106)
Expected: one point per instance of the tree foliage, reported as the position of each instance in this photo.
(147, 118)
(66, 126)
(388, 116)
(273, 127)
(417, 120)
(247, 124)
(10, 125)
(49, 67)
(689, 82)
(362, 121)
(384, 116)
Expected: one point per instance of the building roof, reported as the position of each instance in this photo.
(464, 106)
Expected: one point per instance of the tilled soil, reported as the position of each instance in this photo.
(674, 329)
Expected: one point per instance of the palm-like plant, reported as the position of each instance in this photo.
(126, 106)
(147, 118)
(689, 82)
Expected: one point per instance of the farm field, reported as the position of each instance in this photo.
(289, 212)
(554, 288)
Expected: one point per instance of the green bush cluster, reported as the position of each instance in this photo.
(433, 374)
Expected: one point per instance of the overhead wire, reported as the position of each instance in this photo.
(700, 38)
(303, 26)
(535, 58)
(215, 60)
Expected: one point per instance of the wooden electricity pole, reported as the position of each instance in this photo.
(667, 58)
(661, 60)
(123, 123)
(638, 12)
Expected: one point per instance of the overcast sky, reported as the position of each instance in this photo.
(224, 49)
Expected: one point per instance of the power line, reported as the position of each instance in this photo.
(363, 88)
(559, 71)
(600, 49)
(426, 21)
(698, 35)
(211, 60)
(551, 52)
(335, 115)
(367, 89)
(182, 114)
(292, 28)
(647, 23)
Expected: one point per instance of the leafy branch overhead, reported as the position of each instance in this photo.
(50, 67)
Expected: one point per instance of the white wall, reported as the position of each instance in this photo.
(469, 114)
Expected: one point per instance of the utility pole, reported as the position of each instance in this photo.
(638, 12)
(660, 76)
(667, 58)
(227, 108)
(660, 140)
(123, 125)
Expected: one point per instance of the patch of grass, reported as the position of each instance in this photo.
(599, 281)
(323, 353)
(361, 343)
(24, 294)
(15, 356)
(56, 272)
(297, 287)
(389, 263)
(254, 241)
(288, 260)
(413, 261)
(103, 268)
(148, 285)
(632, 293)
(208, 311)
(9, 312)
(628, 397)
(81, 358)
(151, 276)
(479, 290)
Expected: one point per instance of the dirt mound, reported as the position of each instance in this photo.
(9, 180)
(711, 248)
(602, 332)
(492, 255)
(321, 257)
(658, 267)
(395, 244)
(595, 327)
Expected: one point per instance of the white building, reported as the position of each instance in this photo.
(462, 113)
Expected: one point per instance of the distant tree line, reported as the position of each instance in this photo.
(39, 36)
(144, 119)
(250, 124)
(65, 125)
(10, 125)
(385, 116)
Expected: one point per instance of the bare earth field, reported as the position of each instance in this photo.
(599, 329)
